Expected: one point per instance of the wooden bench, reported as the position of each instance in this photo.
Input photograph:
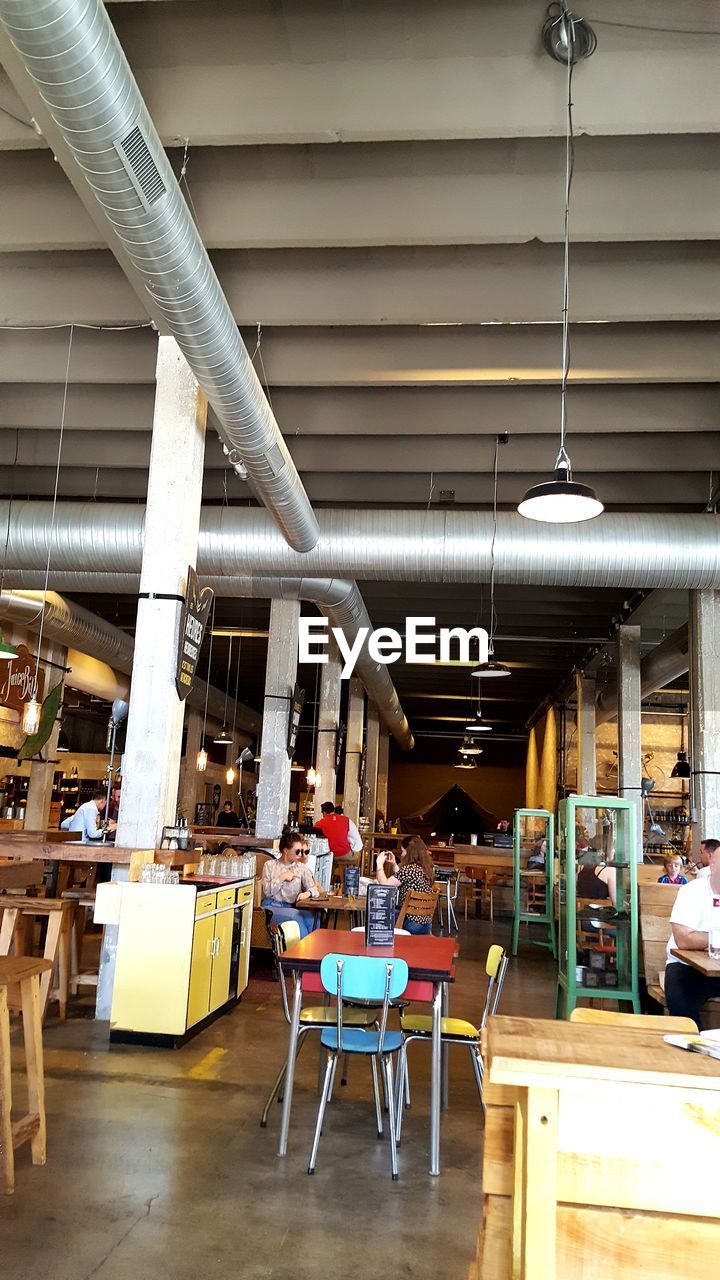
(21, 974)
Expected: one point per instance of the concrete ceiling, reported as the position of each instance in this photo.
(380, 185)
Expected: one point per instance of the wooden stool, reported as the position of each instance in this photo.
(19, 912)
(23, 972)
(82, 902)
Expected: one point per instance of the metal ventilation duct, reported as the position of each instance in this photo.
(618, 550)
(74, 61)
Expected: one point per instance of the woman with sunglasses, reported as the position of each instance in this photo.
(288, 880)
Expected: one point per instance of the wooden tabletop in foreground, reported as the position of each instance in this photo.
(549, 1054)
(699, 960)
(333, 903)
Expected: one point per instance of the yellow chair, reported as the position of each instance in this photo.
(418, 1026)
(640, 1021)
(314, 1018)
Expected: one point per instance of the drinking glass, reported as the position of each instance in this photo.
(714, 944)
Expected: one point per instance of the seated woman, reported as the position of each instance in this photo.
(596, 882)
(415, 872)
(287, 881)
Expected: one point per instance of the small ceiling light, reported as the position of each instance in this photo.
(464, 762)
(470, 748)
(562, 500)
(31, 717)
(681, 768)
(230, 776)
(477, 725)
(202, 760)
(222, 739)
(492, 667)
(62, 742)
(7, 652)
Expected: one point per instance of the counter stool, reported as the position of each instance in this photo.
(22, 972)
(83, 902)
(16, 932)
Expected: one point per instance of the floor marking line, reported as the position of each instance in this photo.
(203, 1068)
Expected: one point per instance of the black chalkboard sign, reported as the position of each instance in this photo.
(352, 881)
(380, 915)
(296, 706)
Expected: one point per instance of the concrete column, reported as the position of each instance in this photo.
(547, 787)
(353, 749)
(381, 798)
(151, 765)
(705, 710)
(372, 753)
(280, 677)
(40, 786)
(327, 730)
(586, 770)
(189, 776)
(630, 726)
(532, 771)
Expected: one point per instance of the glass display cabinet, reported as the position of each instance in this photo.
(534, 877)
(597, 902)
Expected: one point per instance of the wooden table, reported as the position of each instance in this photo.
(23, 972)
(699, 960)
(341, 905)
(588, 1156)
(430, 960)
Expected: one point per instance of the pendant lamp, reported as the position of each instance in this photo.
(492, 668)
(202, 760)
(31, 717)
(470, 748)
(681, 768)
(7, 652)
(62, 742)
(223, 739)
(563, 500)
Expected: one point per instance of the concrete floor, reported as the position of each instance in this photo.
(158, 1169)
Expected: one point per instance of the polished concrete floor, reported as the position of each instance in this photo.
(158, 1169)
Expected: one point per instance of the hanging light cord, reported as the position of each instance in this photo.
(493, 614)
(207, 686)
(563, 460)
(10, 503)
(227, 683)
(54, 506)
(237, 685)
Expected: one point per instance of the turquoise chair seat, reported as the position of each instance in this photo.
(356, 1041)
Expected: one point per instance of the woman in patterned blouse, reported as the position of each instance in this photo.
(415, 872)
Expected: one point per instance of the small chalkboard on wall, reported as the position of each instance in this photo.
(380, 915)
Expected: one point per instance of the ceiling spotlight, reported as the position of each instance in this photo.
(681, 768)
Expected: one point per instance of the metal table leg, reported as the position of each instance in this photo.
(290, 1073)
(445, 1051)
(436, 1081)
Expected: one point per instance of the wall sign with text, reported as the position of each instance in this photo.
(296, 706)
(18, 684)
(193, 620)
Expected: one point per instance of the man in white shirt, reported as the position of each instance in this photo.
(707, 849)
(85, 819)
(696, 910)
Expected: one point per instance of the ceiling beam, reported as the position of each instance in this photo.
(505, 192)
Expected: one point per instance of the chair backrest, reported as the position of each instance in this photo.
(639, 1021)
(495, 967)
(656, 904)
(363, 978)
(281, 937)
(419, 904)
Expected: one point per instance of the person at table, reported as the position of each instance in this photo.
(304, 855)
(597, 882)
(227, 816)
(87, 819)
(503, 826)
(695, 911)
(415, 872)
(707, 849)
(673, 870)
(288, 880)
(340, 831)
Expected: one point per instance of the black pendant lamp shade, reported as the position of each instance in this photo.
(681, 768)
(561, 500)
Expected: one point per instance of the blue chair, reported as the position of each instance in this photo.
(362, 978)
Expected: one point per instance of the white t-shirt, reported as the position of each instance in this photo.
(704, 871)
(694, 909)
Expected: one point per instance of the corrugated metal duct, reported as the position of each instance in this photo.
(617, 550)
(75, 62)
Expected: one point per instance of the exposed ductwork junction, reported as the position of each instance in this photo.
(71, 64)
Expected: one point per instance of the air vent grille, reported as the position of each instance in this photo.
(141, 168)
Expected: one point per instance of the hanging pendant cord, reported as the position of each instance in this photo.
(562, 458)
(227, 683)
(493, 614)
(207, 687)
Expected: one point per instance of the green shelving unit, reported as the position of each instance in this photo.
(597, 942)
(530, 828)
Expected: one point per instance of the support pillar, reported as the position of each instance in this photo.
(586, 766)
(42, 772)
(532, 770)
(327, 730)
(151, 765)
(372, 753)
(547, 788)
(281, 673)
(705, 710)
(189, 776)
(383, 771)
(630, 727)
(353, 749)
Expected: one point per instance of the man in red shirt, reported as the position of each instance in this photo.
(340, 832)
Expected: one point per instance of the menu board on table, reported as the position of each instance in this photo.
(352, 881)
(380, 915)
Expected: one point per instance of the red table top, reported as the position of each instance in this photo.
(429, 959)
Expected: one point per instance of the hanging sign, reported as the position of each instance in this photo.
(193, 619)
(18, 682)
(296, 706)
(339, 743)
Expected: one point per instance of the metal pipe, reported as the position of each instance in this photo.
(618, 550)
(74, 62)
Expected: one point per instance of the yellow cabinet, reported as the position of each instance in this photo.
(222, 955)
(201, 969)
(245, 933)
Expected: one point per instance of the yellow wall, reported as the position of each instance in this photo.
(411, 786)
